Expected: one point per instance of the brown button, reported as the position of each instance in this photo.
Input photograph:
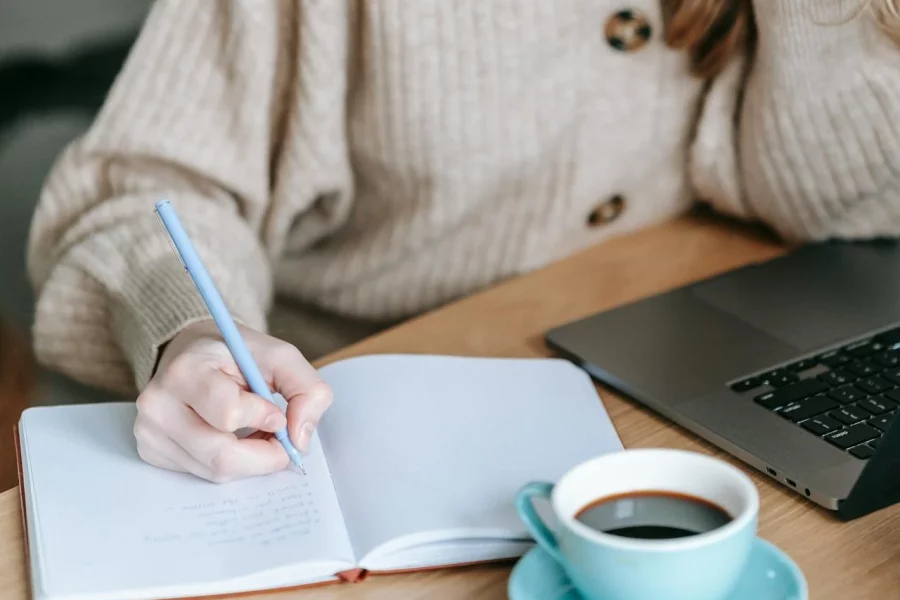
(608, 211)
(628, 30)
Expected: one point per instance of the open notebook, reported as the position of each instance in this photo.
(415, 466)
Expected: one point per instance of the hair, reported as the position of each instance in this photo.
(713, 31)
(887, 14)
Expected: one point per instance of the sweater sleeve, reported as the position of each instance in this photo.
(806, 136)
(190, 118)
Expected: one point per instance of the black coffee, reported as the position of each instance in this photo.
(653, 515)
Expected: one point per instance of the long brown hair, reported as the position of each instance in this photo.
(887, 13)
(712, 31)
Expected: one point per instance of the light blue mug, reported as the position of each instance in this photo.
(604, 566)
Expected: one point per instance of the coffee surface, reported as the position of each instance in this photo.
(653, 515)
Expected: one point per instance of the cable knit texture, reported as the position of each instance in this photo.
(378, 159)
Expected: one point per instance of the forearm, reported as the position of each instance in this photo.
(111, 300)
(819, 142)
(189, 119)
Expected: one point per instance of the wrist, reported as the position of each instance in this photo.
(197, 327)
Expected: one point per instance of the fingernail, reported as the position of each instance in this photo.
(306, 432)
(274, 422)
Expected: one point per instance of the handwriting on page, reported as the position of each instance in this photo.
(262, 518)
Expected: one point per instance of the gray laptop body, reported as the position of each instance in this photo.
(792, 365)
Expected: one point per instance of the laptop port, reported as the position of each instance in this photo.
(771, 472)
(790, 482)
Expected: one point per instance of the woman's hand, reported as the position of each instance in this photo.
(188, 413)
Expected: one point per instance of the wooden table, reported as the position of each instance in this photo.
(17, 383)
(856, 560)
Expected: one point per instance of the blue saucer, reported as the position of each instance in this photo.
(770, 575)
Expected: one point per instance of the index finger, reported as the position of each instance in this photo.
(222, 403)
(289, 373)
(222, 453)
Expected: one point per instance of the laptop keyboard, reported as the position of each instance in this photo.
(848, 396)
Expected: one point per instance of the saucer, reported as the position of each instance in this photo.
(770, 575)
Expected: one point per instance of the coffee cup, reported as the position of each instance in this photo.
(648, 524)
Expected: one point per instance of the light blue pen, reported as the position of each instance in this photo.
(194, 266)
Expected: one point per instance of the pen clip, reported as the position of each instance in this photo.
(165, 232)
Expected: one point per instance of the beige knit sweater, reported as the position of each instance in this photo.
(379, 158)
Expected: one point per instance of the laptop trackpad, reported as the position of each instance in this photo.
(815, 297)
(670, 347)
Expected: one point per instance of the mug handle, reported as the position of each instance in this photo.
(536, 526)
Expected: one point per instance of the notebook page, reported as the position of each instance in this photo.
(108, 523)
(437, 447)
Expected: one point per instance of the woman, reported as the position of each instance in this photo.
(371, 160)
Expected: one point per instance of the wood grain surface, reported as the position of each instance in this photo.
(857, 560)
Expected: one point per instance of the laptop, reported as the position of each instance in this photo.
(792, 365)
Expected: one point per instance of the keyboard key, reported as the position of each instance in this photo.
(779, 378)
(874, 385)
(852, 436)
(791, 393)
(889, 337)
(822, 424)
(862, 451)
(883, 423)
(860, 349)
(837, 378)
(810, 407)
(877, 405)
(833, 359)
(804, 365)
(847, 394)
(746, 384)
(859, 406)
(874, 443)
(863, 368)
(892, 395)
(892, 375)
(848, 415)
(891, 358)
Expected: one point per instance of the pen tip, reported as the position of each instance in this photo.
(296, 468)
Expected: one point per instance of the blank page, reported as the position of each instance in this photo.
(105, 522)
(437, 447)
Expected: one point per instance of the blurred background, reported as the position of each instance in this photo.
(57, 61)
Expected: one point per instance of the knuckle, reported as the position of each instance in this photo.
(149, 404)
(221, 395)
(286, 354)
(230, 414)
(180, 367)
(144, 401)
(216, 478)
(142, 450)
(141, 432)
(146, 452)
(227, 403)
(209, 387)
(221, 465)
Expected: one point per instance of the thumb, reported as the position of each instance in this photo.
(307, 396)
(304, 411)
